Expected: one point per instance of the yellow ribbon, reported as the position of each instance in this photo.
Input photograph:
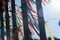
(46, 26)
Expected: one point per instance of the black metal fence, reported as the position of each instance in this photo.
(5, 30)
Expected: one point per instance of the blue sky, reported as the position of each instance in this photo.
(52, 15)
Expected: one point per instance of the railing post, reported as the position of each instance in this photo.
(1, 20)
(7, 20)
(25, 20)
(15, 34)
(41, 20)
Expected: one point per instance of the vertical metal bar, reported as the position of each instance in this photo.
(1, 19)
(41, 20)
(7, 20)
(15, 34)
(27, 32)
